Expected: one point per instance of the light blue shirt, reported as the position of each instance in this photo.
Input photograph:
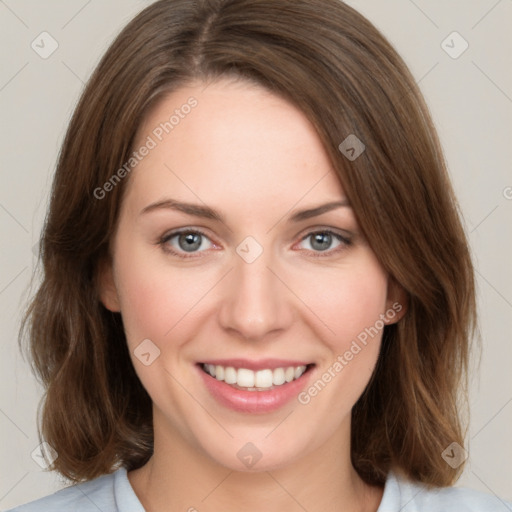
(114, 493)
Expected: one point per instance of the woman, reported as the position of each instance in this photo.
(257, 291)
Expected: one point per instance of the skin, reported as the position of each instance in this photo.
(257, 160)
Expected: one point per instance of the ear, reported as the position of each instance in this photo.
(396, 302)
(107, 289)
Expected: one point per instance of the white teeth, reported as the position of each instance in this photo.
(245, 378)
(263, 379)
(230, 375)
(298, 372)
(278, 377)
(254, 381)
(289, 374)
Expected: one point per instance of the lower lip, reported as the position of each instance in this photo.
(254, 401)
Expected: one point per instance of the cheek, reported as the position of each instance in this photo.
(155, 299)
(162, 305)
(350, 309)
(347, 302)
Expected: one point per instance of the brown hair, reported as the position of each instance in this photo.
(335, 66)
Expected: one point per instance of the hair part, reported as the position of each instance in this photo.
(347, 80)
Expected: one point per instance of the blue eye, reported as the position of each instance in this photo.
(323, 241)
(191, 242)
(186, 242)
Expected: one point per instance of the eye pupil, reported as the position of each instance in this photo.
(321, 241)
(190, 242)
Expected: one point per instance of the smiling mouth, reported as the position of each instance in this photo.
(259, 380)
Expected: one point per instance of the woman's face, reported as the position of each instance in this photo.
(238, 255)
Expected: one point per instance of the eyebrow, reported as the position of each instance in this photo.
(196, 210)
(318, 210)
(206, 212)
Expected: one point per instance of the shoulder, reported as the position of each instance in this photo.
(85, 497)
(108, 493)
(406, 496)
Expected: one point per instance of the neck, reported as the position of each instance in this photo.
(179, 476)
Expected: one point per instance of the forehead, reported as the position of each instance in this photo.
(237, 143)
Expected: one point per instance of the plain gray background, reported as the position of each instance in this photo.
(470, 96)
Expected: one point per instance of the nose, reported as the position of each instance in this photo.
(255, 302)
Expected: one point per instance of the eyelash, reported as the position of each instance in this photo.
(344, 242)
(169, 236)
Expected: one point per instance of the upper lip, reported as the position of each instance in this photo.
(256, 365)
